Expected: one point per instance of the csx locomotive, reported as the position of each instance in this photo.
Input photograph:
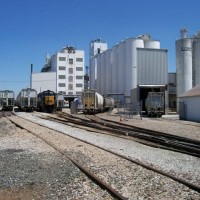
(46, 101)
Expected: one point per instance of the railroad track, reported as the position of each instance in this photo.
(84, 122)
(5, 113)
(145, 136)
(83, 168)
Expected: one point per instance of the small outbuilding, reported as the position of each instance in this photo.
(189, 105)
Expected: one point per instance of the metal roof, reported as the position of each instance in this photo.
(195, 91)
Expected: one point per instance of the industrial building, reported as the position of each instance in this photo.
(187, 62)
(63, 73)
(189, 105)
(132, 67)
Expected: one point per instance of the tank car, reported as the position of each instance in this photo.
(46, 101)
(7, 100)
(92, 102)
(155, 104)
(27, 100)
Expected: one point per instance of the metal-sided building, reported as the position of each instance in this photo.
(189, 108)
(133, 67)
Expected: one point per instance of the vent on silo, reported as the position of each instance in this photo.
(183, 33)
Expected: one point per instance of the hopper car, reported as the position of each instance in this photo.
(47, 101)
(155, 104)
(27, 100)
(7, 100)
(93, 102)
(60, 102)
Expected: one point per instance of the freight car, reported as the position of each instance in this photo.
(155, 104)
(93, 102)
(60, 101)
(7, 100)
(27, 100)
(47, 101)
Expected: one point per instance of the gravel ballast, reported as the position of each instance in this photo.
(152, 185)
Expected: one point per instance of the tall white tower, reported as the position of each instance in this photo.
(183, 64)
(96, 47)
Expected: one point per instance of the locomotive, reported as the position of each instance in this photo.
(7, 100)
(27, 100)
(47, 101)
(93, 102)
(155, 104)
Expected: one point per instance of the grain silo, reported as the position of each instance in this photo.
(183, 63)
(196, 59)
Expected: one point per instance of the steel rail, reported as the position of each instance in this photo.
(85, 170)
(180, 180)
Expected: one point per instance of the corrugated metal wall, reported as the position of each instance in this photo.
(152, 67)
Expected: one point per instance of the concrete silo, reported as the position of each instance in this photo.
(108, 74)
(115, 69)
(196, 59)
(131, 46)
(122, 67)
(103, 73)
(152, 44)
(183, 64)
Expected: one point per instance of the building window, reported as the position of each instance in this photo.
(61, 85)
(79, 59)
(79, 85)
(79, 69)
(79, 77)
(61, 77)
(62, 58)
(70, 70)
(70, 61)
(70, 78)
(62, 68)
(70, 87)
(62, 92)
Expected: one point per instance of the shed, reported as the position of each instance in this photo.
(189, 105)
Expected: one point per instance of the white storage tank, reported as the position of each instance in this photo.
(108, 74)
(122, 69)
(152, 44)
(98, 73)
(103, 73)
(115, 69)
(131, 62)
(196, 61)
(183, 65)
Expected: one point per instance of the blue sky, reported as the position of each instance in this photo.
(29, 29)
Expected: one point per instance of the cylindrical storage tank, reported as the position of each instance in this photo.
(183, 66)
(122, 67)
(196, 61)
(92, 73)
(131, 62)
(152, 44)
(98, 75)
(103, 73)
(115, 66)
(108, 74)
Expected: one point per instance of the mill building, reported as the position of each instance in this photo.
(63, 73)
(132, 68)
